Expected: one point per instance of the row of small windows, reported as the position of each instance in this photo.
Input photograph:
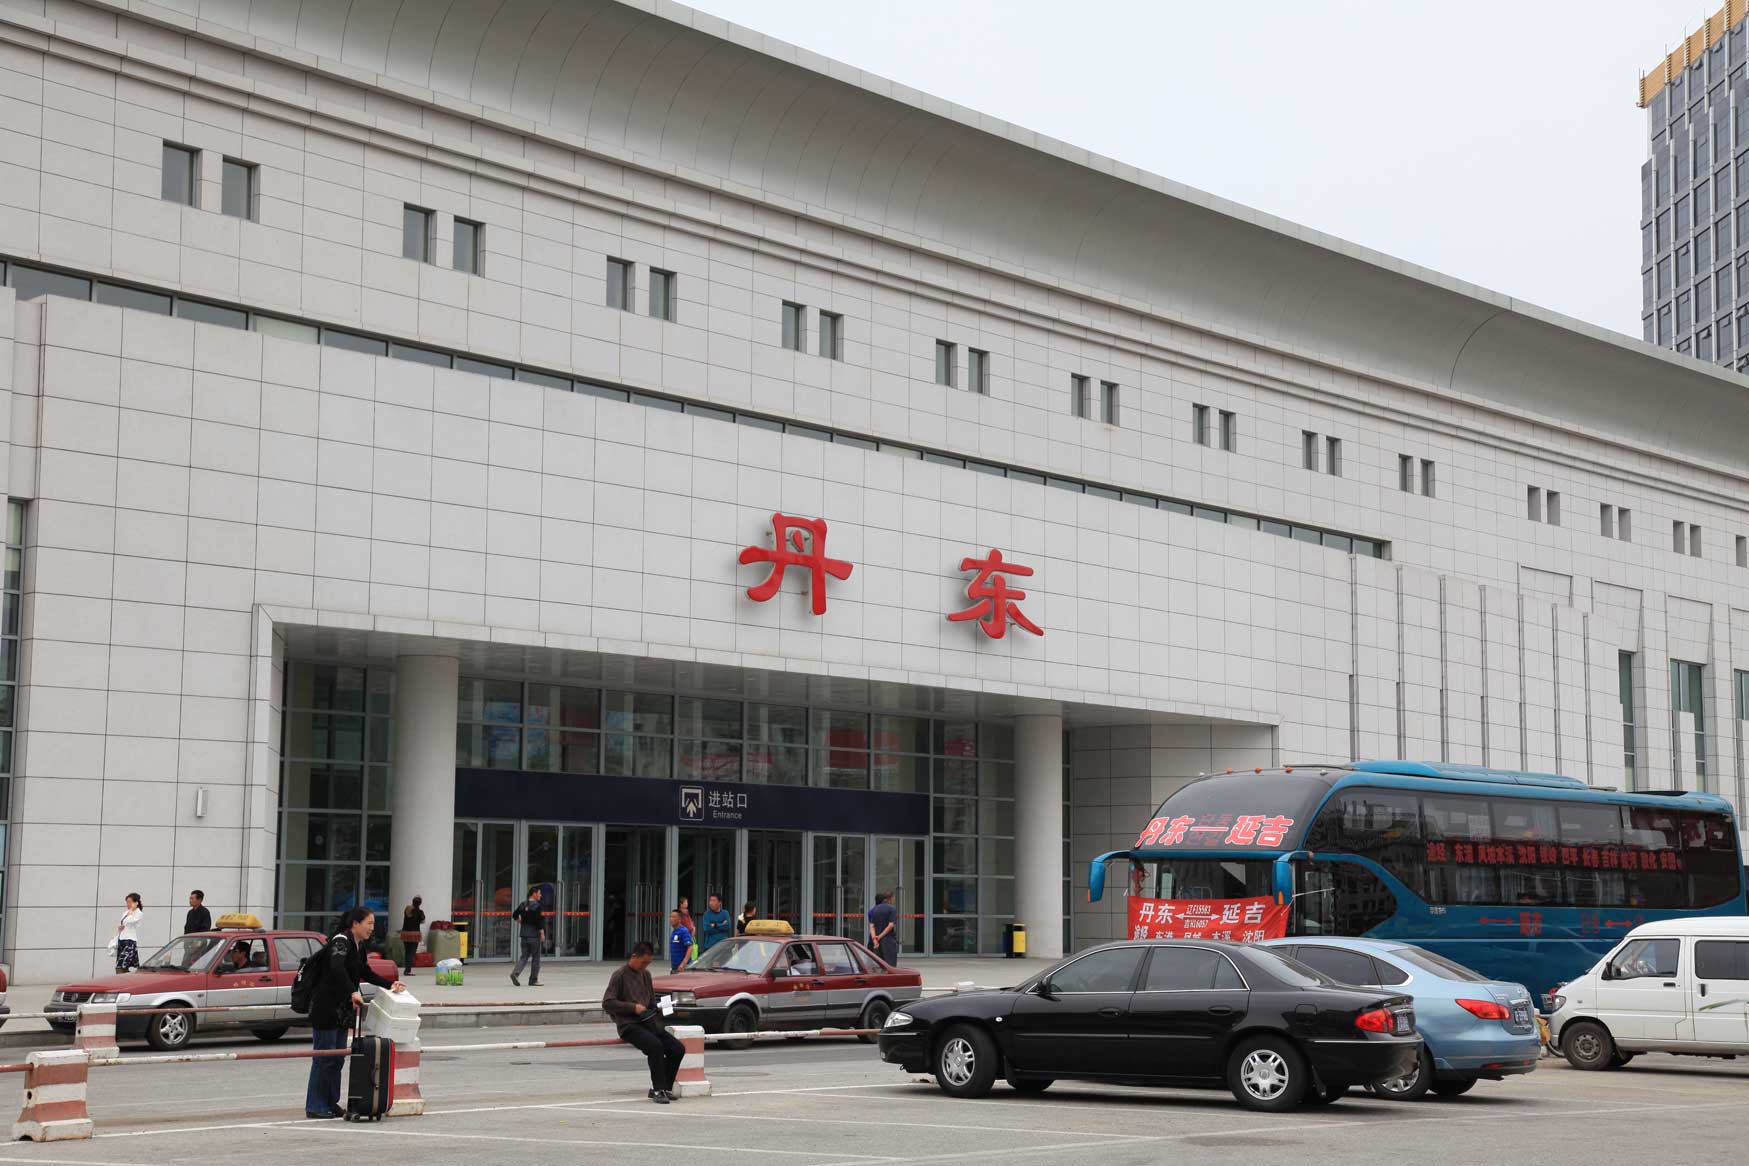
(1406, 475)
(1081, 399)
(1229, 429)
(30, 282)
(1542, 505)
(419, 243)
(664, 288)
(947, 367)
(795, 331)
(180, 182)
(1685, 538)
(1311, 443)
(1616, 522)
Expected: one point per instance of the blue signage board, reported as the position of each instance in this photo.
(649, 801)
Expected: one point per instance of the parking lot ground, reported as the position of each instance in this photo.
(835, 1104)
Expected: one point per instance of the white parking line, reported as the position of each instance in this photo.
(690, 1147)
(885, 1125)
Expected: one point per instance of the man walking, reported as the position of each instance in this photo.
(533, 919)
(883, 928)
(679, 940)
(717, 926)
(199, 918)
(335, 1005)
(630, 1002)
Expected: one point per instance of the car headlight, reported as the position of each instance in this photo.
(1553, 1002)
(897, 1020)
(685, 999)
(104, 997)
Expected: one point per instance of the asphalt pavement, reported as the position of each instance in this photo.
(833, 1103)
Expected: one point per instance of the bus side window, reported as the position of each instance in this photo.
(1339, 898)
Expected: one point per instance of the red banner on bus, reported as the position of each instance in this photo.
(1240, 920)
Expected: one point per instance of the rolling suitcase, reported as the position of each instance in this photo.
(370, 1078)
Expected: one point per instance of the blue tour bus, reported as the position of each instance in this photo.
(1528, 877)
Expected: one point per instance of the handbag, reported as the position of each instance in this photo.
(114, 944)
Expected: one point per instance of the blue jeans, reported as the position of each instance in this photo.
(323, 1093)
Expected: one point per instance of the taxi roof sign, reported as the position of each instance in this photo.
(238, 921)
(768, 927)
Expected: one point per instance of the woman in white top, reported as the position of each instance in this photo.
(127, 936)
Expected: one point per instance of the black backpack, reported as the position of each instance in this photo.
(303, 993)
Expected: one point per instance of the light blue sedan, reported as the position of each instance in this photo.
(1472, 1027)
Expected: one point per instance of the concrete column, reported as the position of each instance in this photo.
(422, 836)
(1038, 832)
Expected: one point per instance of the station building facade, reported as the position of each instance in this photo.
(451, 448)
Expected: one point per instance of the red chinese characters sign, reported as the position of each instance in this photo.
(995, 602)
(800, 543)
(1488, 852)
(1269, 830)
(1241, 920)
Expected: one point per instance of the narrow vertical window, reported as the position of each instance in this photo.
(416, 234)
(663, 294)
(1679, 536)
(1624, 524)
(978, 371)
(795, 327)
(1625, 670)
(239, 191)
(180, 171)
(1606, 519)
(1427, 482)
(466, 257)
(1405, 473)
(1693, 540)
(1688, 714)
(619, 284)
(1533, 503)
(1080, 396)
(1333, 456)
(1108, 401)
(946, 363)
(1199, 424)
(831, 335)
(1309, 449)
(1554, 508)
(1742, 551)
(1229, 431)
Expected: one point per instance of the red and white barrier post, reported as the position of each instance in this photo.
(690, 1081)
(54, 1097)
(95, 1033)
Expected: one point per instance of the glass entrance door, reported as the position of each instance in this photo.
(774, 875)
(706, 868)
(632, 906)
(557, 859)
(898, 868)
(496, 892)
(841, 897)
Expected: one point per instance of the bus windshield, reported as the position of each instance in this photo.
(1201, 878)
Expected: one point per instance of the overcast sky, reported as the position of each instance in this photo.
(1494, 140)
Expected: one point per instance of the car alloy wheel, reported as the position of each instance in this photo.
(959, 1061)
(170, 1031)
(1411, 1086)
(1264, 1073)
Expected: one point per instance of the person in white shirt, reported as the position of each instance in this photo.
(127, 935)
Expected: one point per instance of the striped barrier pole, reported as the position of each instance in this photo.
(690, 1081)
(54, 1097)
(95, 1033)
(405, 1100)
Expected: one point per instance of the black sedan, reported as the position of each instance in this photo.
(1164, 1012)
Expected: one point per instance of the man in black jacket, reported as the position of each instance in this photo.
(199, 918)
(533, 919)
(630, 1002)
(335, 1004)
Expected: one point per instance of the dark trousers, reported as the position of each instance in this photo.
(530, 951)
(407, 960)
(322, 1095)
(660, 1048)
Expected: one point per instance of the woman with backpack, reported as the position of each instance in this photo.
(328, 984)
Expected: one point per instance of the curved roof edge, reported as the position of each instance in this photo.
(701, 96)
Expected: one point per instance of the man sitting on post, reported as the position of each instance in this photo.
(630, 1002)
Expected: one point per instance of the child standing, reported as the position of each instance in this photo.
(679, 941)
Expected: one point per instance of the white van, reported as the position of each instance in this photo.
(1674, 986)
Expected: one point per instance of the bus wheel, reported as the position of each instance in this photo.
(1587, 1045)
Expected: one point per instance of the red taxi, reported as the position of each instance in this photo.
(774, 982)
(251, 969)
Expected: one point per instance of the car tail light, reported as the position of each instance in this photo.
(2, 979)
(1486, 1009)
(1377, 1020)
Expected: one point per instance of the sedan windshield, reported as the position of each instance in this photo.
(1437, 964)
(737, 955)
(182, 955)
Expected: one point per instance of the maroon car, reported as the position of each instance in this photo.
(250, 970)
(775, 982)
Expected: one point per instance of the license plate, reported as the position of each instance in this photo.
(1402, 1025)
(1521, 1017)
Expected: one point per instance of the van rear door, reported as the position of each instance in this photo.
(1719, 1006)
